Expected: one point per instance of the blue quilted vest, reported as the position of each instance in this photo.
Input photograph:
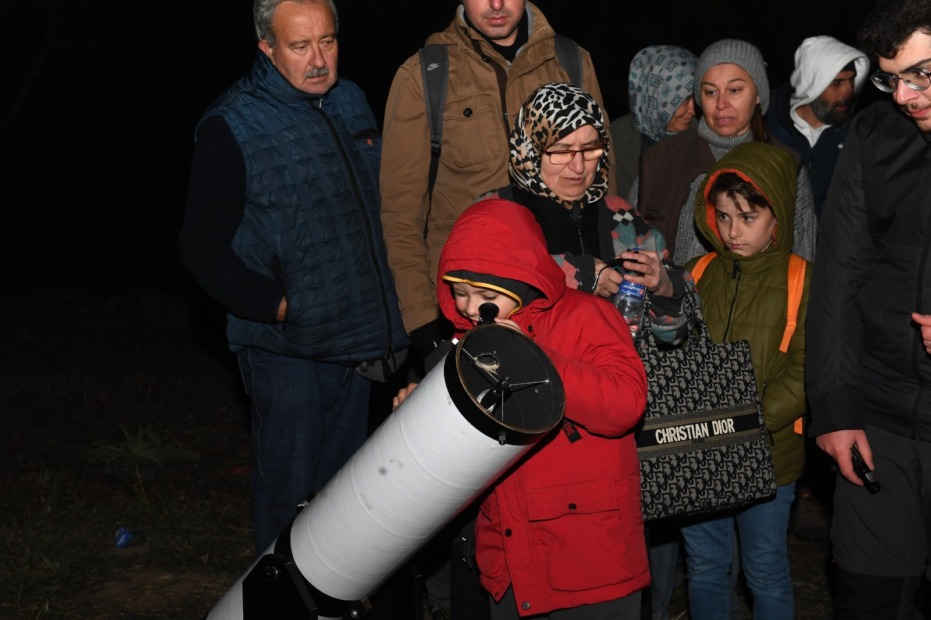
(311, 218)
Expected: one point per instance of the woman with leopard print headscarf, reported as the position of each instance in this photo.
(558, 168)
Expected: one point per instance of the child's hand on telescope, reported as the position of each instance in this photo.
(402, 394)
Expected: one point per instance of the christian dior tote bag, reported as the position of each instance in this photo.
(703, 446)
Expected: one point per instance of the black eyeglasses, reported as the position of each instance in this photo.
(915, 78)
(589, 153)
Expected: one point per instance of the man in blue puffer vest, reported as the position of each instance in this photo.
(282, 227)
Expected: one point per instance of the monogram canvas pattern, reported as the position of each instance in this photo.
(702, 445)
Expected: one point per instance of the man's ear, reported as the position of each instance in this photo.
(267, 49)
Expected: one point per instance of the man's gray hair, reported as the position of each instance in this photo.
(263, 12)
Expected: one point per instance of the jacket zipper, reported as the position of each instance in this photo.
(501, 76)
(576, 215)
(360, 205)
(735, 275)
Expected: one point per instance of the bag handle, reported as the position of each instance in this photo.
(691, 308)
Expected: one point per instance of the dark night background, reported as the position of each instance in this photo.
(99, 101)
(100, 325)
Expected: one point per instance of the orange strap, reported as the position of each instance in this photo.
(796, 285)
(797, 267)
(699, 267)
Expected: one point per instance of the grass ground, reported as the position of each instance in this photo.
(118, 414)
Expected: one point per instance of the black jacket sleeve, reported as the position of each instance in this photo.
(215, 204)
(846, 256)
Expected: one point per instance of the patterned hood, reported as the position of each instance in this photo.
(661, 77)
(550, 114)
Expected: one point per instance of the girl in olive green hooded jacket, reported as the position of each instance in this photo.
(745, 209)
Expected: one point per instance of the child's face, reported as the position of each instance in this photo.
(745, 229)
(468, 298)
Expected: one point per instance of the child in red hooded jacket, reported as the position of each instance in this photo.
(563, 529)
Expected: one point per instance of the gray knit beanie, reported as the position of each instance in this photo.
(745, 55)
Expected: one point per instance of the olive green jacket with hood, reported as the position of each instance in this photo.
(745, 298)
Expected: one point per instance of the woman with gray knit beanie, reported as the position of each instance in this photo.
(732, 91)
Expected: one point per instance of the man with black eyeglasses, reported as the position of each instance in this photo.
(869, 327)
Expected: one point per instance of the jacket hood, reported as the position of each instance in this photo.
(771, 170)
(502, 239)
(818, 60)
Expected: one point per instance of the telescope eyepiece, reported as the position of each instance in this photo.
(487, 313)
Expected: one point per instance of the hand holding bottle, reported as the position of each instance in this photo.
(609, 280)
(646, 268)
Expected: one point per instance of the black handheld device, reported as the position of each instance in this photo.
(863, 472)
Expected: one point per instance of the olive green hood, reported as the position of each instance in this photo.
(768, 168)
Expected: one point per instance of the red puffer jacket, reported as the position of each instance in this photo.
(564, 526)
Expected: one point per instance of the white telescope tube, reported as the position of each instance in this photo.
(424, 464)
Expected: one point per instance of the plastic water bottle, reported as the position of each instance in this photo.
(629, 302)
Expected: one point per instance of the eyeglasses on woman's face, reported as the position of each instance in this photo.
(563, 157)
(915, 78)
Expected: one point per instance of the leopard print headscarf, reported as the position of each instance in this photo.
(551, 113)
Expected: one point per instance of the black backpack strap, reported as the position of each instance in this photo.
(434, 67)
(569, 56)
